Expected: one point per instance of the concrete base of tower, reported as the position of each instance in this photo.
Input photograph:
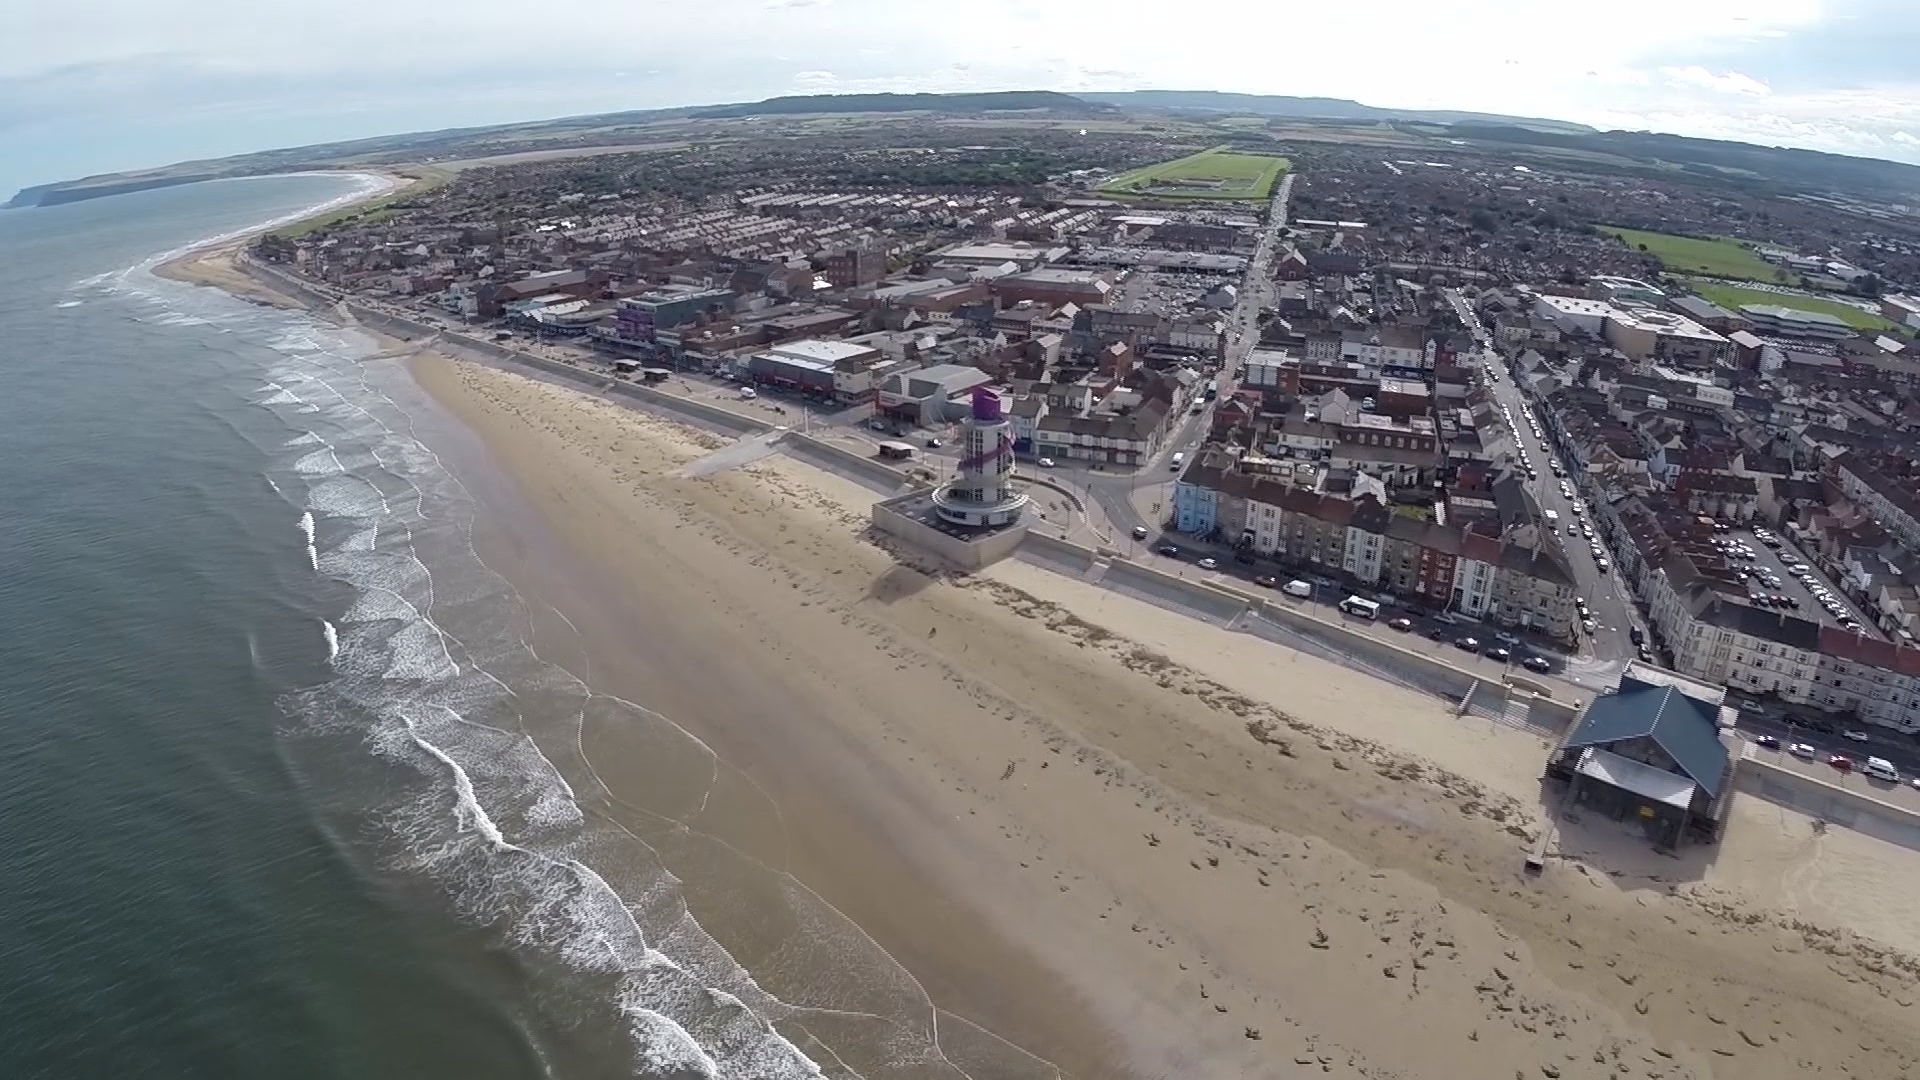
(918, 520)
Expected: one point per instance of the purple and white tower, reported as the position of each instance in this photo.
(982, 494)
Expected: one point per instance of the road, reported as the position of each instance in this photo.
(1606, 595)
(1127, 500)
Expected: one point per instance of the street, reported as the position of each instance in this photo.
(1606, 595)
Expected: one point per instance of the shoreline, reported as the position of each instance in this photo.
(1187, 829)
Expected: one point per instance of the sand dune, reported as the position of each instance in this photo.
(1135, 845)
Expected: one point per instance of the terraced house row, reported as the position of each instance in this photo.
(1355, 535)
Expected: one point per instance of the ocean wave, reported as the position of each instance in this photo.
(432, 672)
(313, 556)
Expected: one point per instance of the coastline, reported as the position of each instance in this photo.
(1045, 800)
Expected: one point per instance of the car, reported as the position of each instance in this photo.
(933, 444)
(1538, 664)
(1139, 532)
(1045, 463)
(1402, 624)
(1637, 636)
(1855, 735)
(1500, 653)
(1766, 742)
(748, 393)
(1438, 633)
(1841, 762)
(1802, 751)
(1467, 644)
(1266, 581)
(1168, 550)
(1587, 625)
(1208, 564)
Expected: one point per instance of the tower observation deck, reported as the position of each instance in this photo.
(982, 494)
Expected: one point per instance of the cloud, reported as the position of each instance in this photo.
(1699, 78)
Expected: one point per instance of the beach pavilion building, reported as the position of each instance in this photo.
(1651, 751)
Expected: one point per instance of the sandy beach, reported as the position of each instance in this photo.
(1110, 840)
(1136, 845)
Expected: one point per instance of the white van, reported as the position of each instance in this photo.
(1881, 769)
(1360, 607)
(1173, 464)
(1296, 587)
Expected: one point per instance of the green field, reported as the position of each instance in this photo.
(1690, 255)
(1732, 297)
(1218, 173)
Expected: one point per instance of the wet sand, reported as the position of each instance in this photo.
(1137, 845)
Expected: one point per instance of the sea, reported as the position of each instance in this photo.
(278, 793)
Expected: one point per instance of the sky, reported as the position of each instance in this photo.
(91, 86)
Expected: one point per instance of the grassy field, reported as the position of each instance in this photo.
(1218, 173)
(1732, 297)
(1688, 255)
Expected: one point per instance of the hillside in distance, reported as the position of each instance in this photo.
(997, 101)
(1754, 168)
(1309, 108)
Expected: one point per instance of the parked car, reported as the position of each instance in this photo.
(1587, 625)
(1296, 587)
(1467, 644)
(1538, 664)
(933, 444)
(1637, 636)
(1841, 762)
(1802, 751)
(1880, 768)
(1045, 463)
(1139, 532)
(1855, 735)
(1266, 581)
(1500, 653)
(1168, 550)
(1209, 564)
(1767, 742)
(1402, 624)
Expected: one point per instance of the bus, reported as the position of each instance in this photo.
(1360, 607)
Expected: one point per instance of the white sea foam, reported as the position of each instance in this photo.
(322, 462)
(491, 818)
(69, 303)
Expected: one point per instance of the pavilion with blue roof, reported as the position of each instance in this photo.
(1649, 751)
